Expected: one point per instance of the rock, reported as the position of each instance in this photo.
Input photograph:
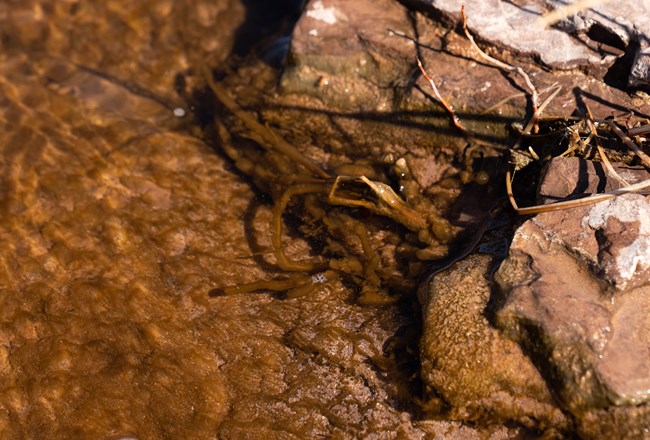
(592, 40)
(512, 27)
(613, 236)
(566, 177)
(482, 375)
(360, 57)
(344, 52)
(575, 294)
(609, 26)
(640, 74)
(625, 423)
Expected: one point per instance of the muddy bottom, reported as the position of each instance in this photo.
(117, 220)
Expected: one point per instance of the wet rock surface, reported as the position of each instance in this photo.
(575, 295)
(478, 372)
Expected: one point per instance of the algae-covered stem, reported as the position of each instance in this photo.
(278, 143)
(416, 213)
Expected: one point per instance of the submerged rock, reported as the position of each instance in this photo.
(479, 373)
(576, 295)
(117, 220)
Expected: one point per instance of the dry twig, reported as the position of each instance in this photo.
(500, 64)
(558, 14)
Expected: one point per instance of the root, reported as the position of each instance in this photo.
(388, 203)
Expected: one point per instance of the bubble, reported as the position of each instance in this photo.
(318, 278)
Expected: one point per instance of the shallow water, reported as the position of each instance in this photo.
(118, 219)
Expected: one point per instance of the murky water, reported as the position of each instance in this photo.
(117, 221)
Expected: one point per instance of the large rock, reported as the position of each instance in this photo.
(343, 51)
(361, 58)
(575, 294)
(593, 39)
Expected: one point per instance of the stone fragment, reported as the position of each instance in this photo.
(510, 26)
(478, 372)
(622, 25)
(572, 176)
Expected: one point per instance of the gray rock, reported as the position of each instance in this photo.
(591, 40)
(511, 26)
(626, 21)
(640, 74)
(576, 295)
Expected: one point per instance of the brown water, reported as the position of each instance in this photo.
(117, 220)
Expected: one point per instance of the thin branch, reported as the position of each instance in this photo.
(500, 64)
(629, 142)
(537, 209)
(454, 118)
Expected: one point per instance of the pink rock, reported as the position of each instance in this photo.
(576, 292)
